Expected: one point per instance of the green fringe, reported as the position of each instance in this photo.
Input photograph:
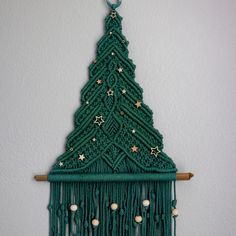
(94, 202)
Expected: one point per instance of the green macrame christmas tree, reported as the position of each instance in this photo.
(113, 178)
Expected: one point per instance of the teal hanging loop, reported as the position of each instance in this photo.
(113, 6)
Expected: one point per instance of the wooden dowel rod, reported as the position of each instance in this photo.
(184, 176)
(179, 177)
(41, 177)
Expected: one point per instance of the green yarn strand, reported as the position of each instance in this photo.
(94, 202)
(114, 6)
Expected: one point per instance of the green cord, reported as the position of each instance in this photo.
(113, 6)
(113, 155)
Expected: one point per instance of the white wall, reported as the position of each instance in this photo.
(185, 52)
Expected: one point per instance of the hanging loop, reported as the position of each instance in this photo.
(113, 6)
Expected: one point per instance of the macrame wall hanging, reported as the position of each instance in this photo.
(113, 178)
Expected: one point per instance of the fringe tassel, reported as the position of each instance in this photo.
(94, 202)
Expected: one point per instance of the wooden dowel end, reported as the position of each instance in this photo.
(184, 176)
(179, 177)
(41, 177)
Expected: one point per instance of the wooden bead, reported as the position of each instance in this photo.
(73, 207)
(146, 203)
(175, 212)
(95, 222)
(138, 219)
(114, 206)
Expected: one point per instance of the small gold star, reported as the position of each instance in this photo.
(60, 163)
(134, 149)
(110, 92)
(123, 91)
(138, 104)
(113, 14)
(98, 120)
(81, 157)
(120, 69)
(155, 151)
(99, 81)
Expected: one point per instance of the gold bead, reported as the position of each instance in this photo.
(175, 212)
(95, 222)
(114, 206)
(74, 208)
(146, 203)
(138, 219)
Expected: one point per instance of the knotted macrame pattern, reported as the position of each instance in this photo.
(114, 155)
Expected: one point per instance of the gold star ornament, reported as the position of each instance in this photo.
(81, 157)
(60, 164)
(155, 151)
(123, 91)
(138, 104)
(134, 149)
(110, 92)
(98, 120)
(99, 81)
(120, 69)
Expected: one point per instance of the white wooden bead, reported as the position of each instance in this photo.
(73, 207)
(175, 212)
(146, 203)
(114, 206)
(95, 222)
(138, 219)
